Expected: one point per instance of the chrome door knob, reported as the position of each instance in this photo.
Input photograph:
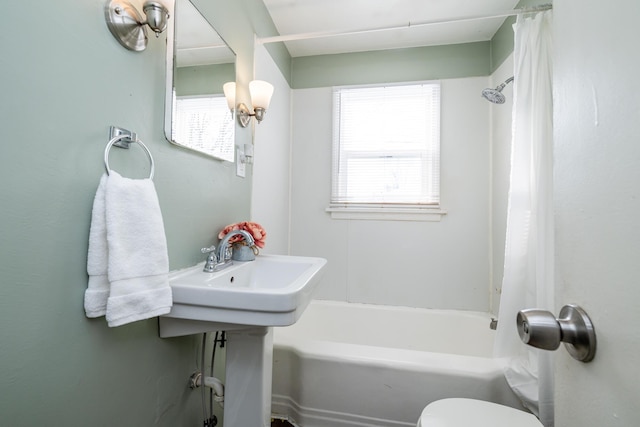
(540, 329)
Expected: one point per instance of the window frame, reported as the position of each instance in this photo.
(341, 208)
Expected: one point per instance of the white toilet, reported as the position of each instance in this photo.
(460, 412)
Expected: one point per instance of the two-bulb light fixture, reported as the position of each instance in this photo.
(261, 93)
(128, 27)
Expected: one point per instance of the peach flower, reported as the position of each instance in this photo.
(257, 232)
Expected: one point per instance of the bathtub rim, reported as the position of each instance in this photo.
(290, 335)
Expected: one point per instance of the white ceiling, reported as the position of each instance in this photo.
(309, 16)
(197, 42)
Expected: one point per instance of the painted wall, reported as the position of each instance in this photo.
(203, 79)
(421, 264)
(395, 65)
(65, 81)
(597, 198)
(270, 198)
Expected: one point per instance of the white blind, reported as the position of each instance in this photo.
(204, 123)
(386, 145)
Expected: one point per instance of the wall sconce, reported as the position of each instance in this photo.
(245, 152)
(229, 90)
(261, 93)
(128, 27)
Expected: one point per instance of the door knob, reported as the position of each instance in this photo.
(540, 329)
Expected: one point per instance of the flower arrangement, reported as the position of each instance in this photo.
(257, 232)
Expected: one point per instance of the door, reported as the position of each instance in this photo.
(597, 203)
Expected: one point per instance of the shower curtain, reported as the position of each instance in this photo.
(528, 265)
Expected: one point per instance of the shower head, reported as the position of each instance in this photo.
(495, 95)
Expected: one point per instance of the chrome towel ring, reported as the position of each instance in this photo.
(122, 138)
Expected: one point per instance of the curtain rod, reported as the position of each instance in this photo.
(317, 35)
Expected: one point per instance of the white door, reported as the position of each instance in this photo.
(597, 199)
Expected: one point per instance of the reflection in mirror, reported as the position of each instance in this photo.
(199, 63)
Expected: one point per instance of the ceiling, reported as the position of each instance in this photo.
(197, 42)
(344, 16)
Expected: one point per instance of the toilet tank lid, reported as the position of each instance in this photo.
(459, 412)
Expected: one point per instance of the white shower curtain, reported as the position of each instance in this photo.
(528, 265)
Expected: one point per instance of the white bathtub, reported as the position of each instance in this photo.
(345, 365)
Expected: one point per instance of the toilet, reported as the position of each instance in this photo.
(459, 412)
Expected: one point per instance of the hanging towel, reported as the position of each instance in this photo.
(97, 293)
(127, 262)
(138, 263)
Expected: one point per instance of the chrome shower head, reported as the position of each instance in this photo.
(495, 95)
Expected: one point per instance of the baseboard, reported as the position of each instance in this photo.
(285, 407)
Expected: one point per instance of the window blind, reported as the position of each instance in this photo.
(386, 146)
(204, 123)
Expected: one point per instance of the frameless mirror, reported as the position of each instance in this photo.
(199, 63)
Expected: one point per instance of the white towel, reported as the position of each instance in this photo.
(137, 263)
(97, 293)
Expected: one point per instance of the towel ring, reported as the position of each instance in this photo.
(119, 138)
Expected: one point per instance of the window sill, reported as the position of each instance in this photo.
(387, 214)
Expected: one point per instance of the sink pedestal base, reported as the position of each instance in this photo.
(249, 368)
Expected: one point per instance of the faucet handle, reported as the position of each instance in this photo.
(212, 259)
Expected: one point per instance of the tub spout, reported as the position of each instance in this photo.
(493, 324)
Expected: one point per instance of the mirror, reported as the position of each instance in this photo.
(199, 63)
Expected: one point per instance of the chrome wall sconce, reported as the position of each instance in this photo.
(128, 27)
(261, 93)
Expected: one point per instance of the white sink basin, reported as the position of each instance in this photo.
(273, 290)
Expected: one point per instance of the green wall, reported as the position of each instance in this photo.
(203, 79)
(65, 80)
(396, 65)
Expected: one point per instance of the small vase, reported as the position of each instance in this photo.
(242, 252)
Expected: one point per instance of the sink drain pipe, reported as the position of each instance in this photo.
(215, 384)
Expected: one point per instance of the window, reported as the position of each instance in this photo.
(386, 149)
(205, 124)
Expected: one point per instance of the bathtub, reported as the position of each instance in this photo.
(345, 364)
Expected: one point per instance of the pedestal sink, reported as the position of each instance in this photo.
(245, 299)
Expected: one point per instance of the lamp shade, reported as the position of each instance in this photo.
(261, 93)
(229, 90)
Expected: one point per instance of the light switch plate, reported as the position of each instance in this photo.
(241, 168)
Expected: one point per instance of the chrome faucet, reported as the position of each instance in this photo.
(224, 254)
(221, 259)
